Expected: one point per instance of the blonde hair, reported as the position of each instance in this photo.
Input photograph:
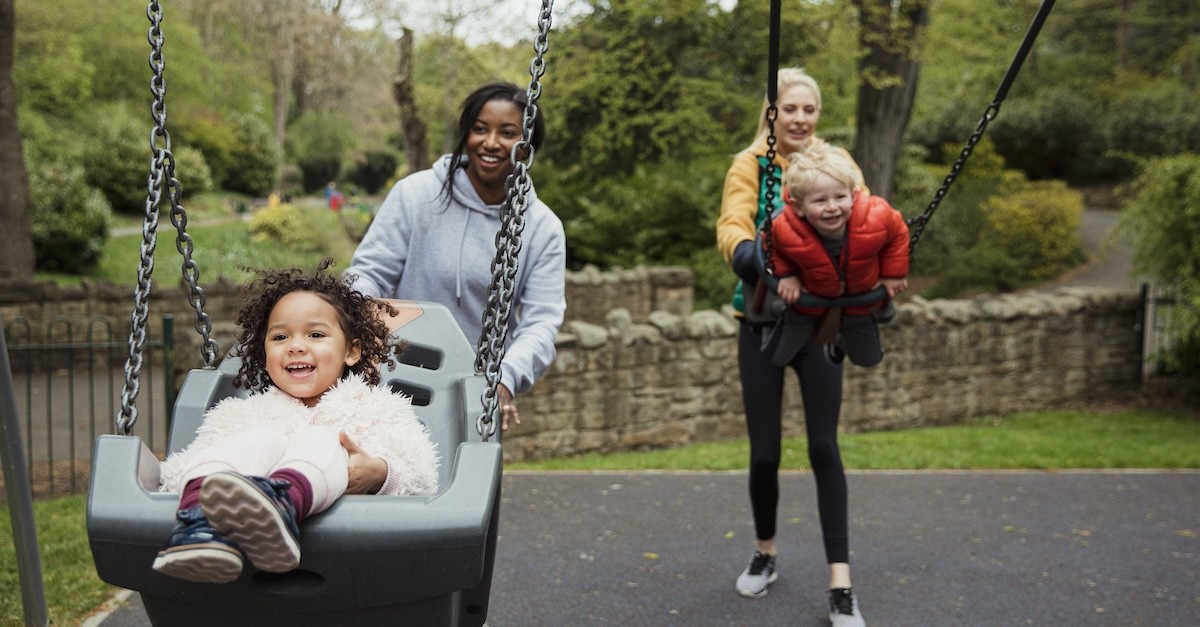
(787, 78)
(819, 158)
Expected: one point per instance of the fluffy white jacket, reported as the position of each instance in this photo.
(380, 421)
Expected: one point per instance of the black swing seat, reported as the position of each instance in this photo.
(368, 560)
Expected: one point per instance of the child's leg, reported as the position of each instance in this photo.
(315, 455)
(253, 451)
(262, 513)
(860, 340)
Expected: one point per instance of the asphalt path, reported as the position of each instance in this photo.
(928, 548)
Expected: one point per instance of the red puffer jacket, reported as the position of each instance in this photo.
(876, 247)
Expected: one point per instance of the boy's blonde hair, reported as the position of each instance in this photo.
(819, 158)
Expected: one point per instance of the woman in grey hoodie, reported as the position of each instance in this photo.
(434, 237)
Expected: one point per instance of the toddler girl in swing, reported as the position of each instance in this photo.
(832, 239)
(316, 426)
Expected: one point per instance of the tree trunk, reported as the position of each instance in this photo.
(412, 128)
(284, 68)
(888, 72)
(16, 238)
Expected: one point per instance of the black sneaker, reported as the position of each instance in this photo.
(197, 552)
(843, 609)
(753, 581)
(257, 514)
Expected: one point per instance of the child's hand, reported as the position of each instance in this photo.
(789, 289)
(508, 408)
(894, 286)
(367, 473)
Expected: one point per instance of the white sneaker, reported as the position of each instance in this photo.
(843, 609)
(753, 581)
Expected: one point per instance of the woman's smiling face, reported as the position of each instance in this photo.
(799, 111)
(489, 146)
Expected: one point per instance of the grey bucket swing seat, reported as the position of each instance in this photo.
(368, 559)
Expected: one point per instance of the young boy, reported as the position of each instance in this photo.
(833, 240)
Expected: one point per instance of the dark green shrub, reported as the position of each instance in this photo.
(318, 170)
(1162, 218)
(216, 140)
(373, 170)
(254, 161)
(192, 171)
(70, 219)
(117, 158)
(1054, 134)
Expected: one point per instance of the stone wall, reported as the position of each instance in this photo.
(652, 373)
(672, 379)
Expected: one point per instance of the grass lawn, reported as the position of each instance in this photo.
(1051, 440)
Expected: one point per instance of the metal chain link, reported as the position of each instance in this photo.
(162, 173)
(508, 240)
(769, 178)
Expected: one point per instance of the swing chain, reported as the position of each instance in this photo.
(508, 239)
(162, 174)
(769, 177)
(917, 223)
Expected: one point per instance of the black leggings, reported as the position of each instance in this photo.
(821, 392)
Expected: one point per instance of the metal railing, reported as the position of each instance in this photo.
(67, 385)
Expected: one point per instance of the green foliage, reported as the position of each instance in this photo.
(70, 219)
(1162, 217)
(1037, 229)
(637, 85)
(254, 160)
(53, 75)
(660, 214)
(1053, 135)
(318, 170)
(373, 170)
(117, 161)
(318, 134)
(297, 229)
(216, 141)
(192, 171)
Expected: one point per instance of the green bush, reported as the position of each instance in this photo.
(254, 161)
(216, 140)
(192, 171)
(302, 230)
(1162, 217)
(1055, 134)
(70, 219)
(1037, 230)
(318, 170)
(373, 170)
(117, 158)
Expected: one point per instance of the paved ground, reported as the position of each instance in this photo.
(941, 548)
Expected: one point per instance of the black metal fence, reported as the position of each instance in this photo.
(68, 383)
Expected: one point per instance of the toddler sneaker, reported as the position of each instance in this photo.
(197, 552)
(257, 514)
(843, 609)
(753, 581)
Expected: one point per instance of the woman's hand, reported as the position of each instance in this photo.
(508, 407)
(367, 473)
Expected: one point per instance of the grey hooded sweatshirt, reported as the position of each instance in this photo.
(420, 248)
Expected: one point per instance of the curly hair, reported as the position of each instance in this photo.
(357, 313)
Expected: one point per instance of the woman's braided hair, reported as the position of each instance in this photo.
(359, 316)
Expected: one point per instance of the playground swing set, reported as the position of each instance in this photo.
(367, 560)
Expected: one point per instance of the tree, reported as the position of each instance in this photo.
(16, 238)
(412, 127)
(888, 69)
